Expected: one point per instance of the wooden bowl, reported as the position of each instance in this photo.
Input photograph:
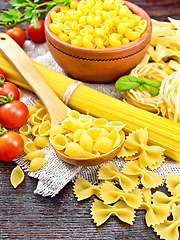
(99, 65)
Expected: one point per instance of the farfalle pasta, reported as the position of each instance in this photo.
(110, 172)
(130, 189)
(156, 213)
(97, 24)
(113, 201)
(148, 179)
(136, 146)
(111, 194)
(84, 189)
(172, 183)
(169, 228)
(101, 212)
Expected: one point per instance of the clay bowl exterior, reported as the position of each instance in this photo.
(99, 65)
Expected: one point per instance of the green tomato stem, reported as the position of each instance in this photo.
(2, 131)
(2, 80)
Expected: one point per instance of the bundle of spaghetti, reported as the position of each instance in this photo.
(150, 70)
(143, 99)
(162, 131)
(167, 102)
(169, 97)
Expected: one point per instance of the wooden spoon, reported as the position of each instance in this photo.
(56, 108)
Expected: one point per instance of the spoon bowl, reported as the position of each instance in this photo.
(56, 108)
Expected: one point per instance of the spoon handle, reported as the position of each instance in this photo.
(16, 55)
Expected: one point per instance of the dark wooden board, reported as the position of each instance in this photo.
(25, 215)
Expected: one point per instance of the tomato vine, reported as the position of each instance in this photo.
(30, 11)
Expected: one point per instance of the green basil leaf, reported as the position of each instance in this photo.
(152, 85)
(126, 82)
(152, 90)
(142, 87)
(153, 82)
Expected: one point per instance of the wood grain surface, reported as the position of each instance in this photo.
(25, 215)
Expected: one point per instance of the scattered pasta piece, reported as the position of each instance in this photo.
(34, 120)
(32, 109)
(110, 172)
(160, 197)
(25, 139)
(84, 189)
(38, 103)
(101, 212)
(169, 229)
(147, 155)
(30, 147)
(172, 182)
(35, 130)
(155, 213)
(148, 179)
(38, 153)
(17, 176)
(37, 163)
(44, 128)
(111, 194)
(41, 141)
(40, 113)
(25, 129)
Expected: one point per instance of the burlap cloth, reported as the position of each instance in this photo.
(55, 174)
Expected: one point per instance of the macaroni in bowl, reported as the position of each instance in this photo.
(97, 24)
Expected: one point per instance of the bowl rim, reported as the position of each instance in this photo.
(133, 7)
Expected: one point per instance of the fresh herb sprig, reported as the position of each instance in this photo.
(130, 82)
(31, 12)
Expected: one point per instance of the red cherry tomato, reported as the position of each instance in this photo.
(11, 146)
(2, 73)
(9, 88)
(36, 34)
(14, 114)
(16, 33)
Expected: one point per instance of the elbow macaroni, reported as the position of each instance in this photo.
(88, 23)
